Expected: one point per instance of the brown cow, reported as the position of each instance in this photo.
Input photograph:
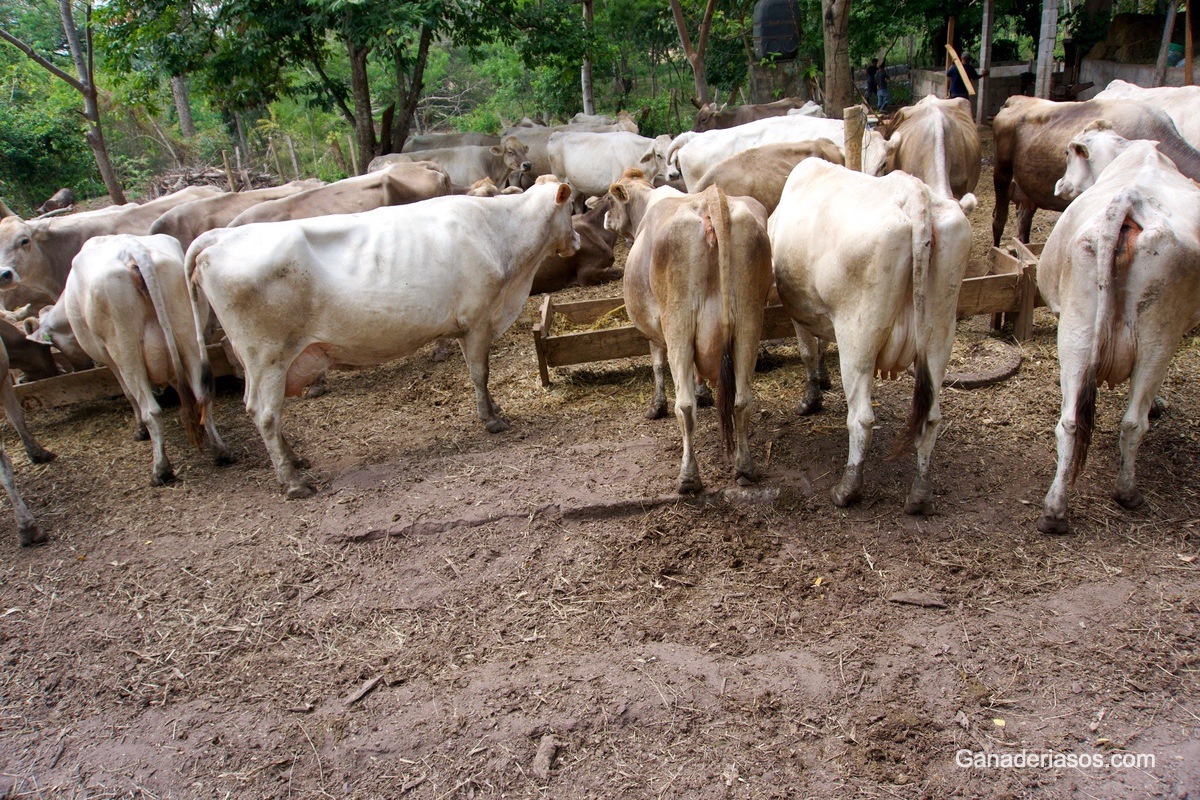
(37, 254)
(187, 221)
(1031, 149)
(467, 163)
(28, 531)
(34, 360)
(761, 172)
(592, 263)
(394, 186)
(710, 117)
(63, 198)
(936, 141)
(696, 282)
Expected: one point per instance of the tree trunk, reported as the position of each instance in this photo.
(183, 106)
(695, 56)
(585, 72)
(839, 86)
(364, 122)
(408, 89)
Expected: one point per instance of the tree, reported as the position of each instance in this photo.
(84, 82)
(695, 55)
(839, 85)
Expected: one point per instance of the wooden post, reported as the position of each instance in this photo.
(1189, 51)
(1028, 293)
(985, 60)
(962, 71)
(949, 44)
(228, 170)
(1045, 58)
(278, 166)
(295, 163)
(353, 153)
(855, 121)
(1160, 66)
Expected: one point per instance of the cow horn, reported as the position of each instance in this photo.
(5, 211)
(696, 102)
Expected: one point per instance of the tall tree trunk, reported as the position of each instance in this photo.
(183, 106)
(585, 72)
(364, 122)
(839, 86)
(408, 89)
(695, 56)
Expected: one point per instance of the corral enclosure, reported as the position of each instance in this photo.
(458, 614)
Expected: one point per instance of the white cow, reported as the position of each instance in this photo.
(654, 163)
(468, 163)
(693, 154)
(875, 264)
(1120, 270)
(1182, 104)
(537, 137)
(298, 297)
(126, 306)
(591, 162)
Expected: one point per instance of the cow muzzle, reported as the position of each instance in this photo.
(572, 247)
(1065, 190)
(8, 277)
(525, 166)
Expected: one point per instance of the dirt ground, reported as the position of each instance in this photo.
(461, 615)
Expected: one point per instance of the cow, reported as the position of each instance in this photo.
(875, 264)
(28, 531)
(1182, 103)
(1031, 137)
(436, 141)
(469, 163)
(536, 138)
(591, 162)
(186, 222)
(710, 117)
(35, 360)
(126, 306)
(696, 284)
(298, 297)
(936, 140)
(63, 198)
(592, 262)
(1119, 269)
(35, 256)
(693, 154)
(396, 185)
(761, 172)
(654, 163)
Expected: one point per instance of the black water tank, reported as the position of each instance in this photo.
(776, 29)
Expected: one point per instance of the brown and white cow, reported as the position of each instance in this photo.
(1182, 103)
(298, 297)
(35, 256)
(874, 264)
(126, 306)
(396, 185)
(187, 221)
(1031, 137)
(936, 141)
(28, 531)
(35, 360)
(710, 116)
(696, 283)
(761, 172)
(591, 264)
(1120, 270)
(467, 163)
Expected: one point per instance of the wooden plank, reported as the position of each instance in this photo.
(1023, 321)
(588, 346)
(989, 295)
(583, 312)
(93, 384)
(1003, 263)
(540, 331)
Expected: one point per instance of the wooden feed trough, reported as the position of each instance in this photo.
(1009, 293)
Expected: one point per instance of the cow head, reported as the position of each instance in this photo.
(514, 152)
(707, 117)
(628, 203)
(653, 162)
(874, 153)
(1087, 155)
(19, 252)
(54, 328)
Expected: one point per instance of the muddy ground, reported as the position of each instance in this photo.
(461, 615)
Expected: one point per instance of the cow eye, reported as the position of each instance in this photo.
(23, 241)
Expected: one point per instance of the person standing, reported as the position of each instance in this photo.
(957, 87)
(881, 79)
(872, 79)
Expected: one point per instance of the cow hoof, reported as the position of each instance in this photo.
(41, 456)
(1052, 525)
(224, 458)
(748, 477)
(315, 390)
(918, 508)
(690, 484)
(31, 536)
(824, 382)
(809, 407)
(497, 425)
(1158, 408)
(299, 491)
(656, 410)
(140, 434)
(704, 396)
(1130, 500)
(843, 497)
(301, 463)
(163, 478)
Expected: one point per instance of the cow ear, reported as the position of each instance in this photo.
(497, 150)
(618, 192)
(564, 193)
(592, 202)
(1080, 149)
(40, 336)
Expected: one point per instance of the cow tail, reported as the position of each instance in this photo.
(201, 313)
(143, 263)
(921, 216)
(1107, 245)
(718, 212)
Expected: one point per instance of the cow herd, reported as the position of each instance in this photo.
(448, 239)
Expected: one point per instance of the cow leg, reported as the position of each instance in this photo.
(811, 353)
(265, 389)
(476, 349)
(823, 368)
(1073, 360)
(220, 453)
(658, 404)
(16, 415)
(1025, 211)
(920, 496)
(745, 357)
(141, 396)
(28, 531)
(858, 373)
(1147, 376)
(1002, 176)
(683, 370)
